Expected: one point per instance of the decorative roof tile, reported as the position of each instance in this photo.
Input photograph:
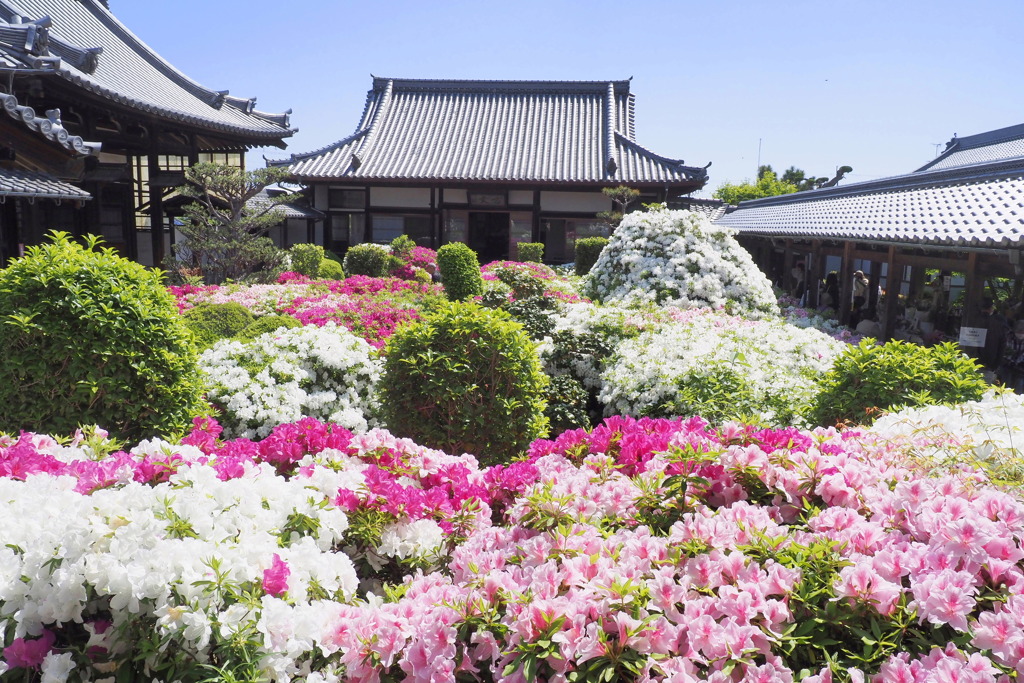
(37, 186)
(49, 126)
(115, 65)
(509, 131)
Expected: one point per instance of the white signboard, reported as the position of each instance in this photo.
(973, 336)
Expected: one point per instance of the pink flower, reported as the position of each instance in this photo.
(29, 654)
(275, 579)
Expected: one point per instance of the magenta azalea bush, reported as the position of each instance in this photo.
(371, 308)
(644, 550)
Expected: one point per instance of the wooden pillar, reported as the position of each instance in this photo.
(974, 292)
(892, 292)
(846, 282)
(874, 279)
(535, 220)
(786, 281)
(815, 274)
(434, 224)
(439, 228)
(156, 199)
(311, 230)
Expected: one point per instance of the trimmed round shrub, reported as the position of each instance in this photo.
(460, 271)
(465, 379)
(306, 259)
(587, 251)
(322, 372)
(679, 258)
(523, 284)
(213, 322)
(867, 380)
(366, 259)
(89, 337)
(331, 270)
(266, 324)
(531, 251)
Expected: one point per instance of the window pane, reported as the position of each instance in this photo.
(387, 228)
(346, 199)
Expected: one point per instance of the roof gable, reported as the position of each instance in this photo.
(84, 44)
(512, 131)
(994, 145)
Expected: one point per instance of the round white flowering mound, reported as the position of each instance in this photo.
(322, 372)
(720, 367)
(679, 258)
(988, 433)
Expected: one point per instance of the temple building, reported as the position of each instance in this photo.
(957, 219)
(488, 163)
(97, 129)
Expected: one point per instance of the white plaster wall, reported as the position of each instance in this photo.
(456, 196)
(400, 197)
(583, 202)
(520, 197)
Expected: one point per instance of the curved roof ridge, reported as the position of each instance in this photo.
(499, 84)
(49, 126)
(653, 155)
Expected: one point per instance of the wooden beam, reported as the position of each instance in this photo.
(815, 274)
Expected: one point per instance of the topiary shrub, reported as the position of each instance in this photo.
(464, 379)
(331, 270)
(212, 322)
(89, 337)
(268, 323)
(306, 259)
(366, 259)
(531, 251)
(587, 251)
(679, 258)
(460, 271)
(867, 380)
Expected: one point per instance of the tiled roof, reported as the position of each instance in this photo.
(995, 145)
(37, 186)
(49, 126)
(713, 209)
(83, 43)
(510, 131)
(286, 210)
(969, 206)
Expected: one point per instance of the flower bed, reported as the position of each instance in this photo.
(644, 550)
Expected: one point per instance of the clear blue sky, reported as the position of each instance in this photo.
(869, 83)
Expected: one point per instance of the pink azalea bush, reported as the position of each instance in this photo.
(646, 550)
(371, 308)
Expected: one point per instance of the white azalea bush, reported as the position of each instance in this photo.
(720, 367)
(679, 258)
(988, 434)
(322, 372)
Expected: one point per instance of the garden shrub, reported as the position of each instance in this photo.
(534, 314)
(532, 252)
(587, 251)
(460, 271)
(268, 323)
(522, 283)
(679, 258)
(322, 372)
(89, 337)
(211, 322)
(306, 259)
(331, 270)
(567, 405)
(464, 379)
(868, 379)
(366, 259)
(719, 367)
